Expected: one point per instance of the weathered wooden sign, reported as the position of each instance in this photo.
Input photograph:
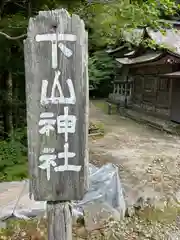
(56, 58)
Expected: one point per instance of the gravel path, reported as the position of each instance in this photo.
(149, 160)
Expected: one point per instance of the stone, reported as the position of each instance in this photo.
(2, 224)
(82, 232)
(130, 211)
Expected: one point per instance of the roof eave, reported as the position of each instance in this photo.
(160, 55)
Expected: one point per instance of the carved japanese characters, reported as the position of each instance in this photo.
(65, 123)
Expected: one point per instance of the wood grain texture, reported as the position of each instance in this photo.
(59, 221)
(67, 185)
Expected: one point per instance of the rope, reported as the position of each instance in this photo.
(19, 197)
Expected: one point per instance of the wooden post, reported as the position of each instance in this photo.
(56, 66)
(109, 108)
(59, 221)
(156, 93)
(170, 94)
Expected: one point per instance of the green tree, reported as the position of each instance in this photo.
(107, 21)
(14, 16)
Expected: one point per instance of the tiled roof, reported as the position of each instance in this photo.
(148, 57)
(170, 38)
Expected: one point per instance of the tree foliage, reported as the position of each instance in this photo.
(105, 23)
(101, 72)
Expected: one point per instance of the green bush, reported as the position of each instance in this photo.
(101, 73)
(13, 157)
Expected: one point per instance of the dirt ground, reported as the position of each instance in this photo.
(148, 160)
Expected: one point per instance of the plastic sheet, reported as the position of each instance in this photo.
(104, 197)
(173, 236)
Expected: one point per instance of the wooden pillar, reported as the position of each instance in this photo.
(117, 88)
(125, 93)
(142, 96)
(60, 221)
(170, 94)
(114, 88)
(126, 73)
(156, 93)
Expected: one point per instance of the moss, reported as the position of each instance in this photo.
(166, 216)
(25, 229)
(103, 105)
(96, 129)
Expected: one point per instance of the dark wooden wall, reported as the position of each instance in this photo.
(150, 91)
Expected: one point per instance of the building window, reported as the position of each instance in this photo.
(163, 84)
(125, 89)
(122, 89)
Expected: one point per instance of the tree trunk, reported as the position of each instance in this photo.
(2, 5)
(15, 104)
(29, 9)
(7, 106)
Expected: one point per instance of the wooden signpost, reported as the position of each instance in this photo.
(56, 66)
